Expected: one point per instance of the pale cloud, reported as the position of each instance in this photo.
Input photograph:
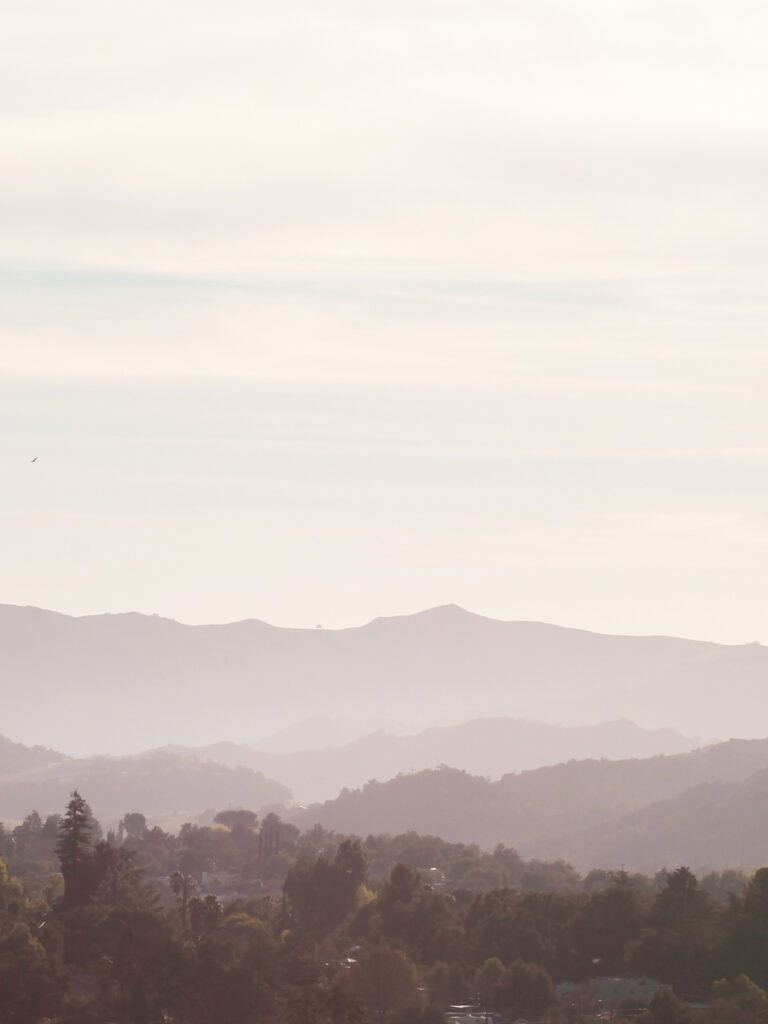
(243, 139)
(360, 304)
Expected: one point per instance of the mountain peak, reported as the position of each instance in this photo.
(439, 613)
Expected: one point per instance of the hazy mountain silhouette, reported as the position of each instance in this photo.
(710, 826)
(707, 808)
(488, 747)
(156, 784)
(126, 682)
(15, 757)
(566, 810)
(324, 731)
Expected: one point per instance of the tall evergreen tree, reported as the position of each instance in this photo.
(75, 852)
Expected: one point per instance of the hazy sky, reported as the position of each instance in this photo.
(314, 312)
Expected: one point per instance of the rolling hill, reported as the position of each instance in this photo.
(157, 784)
(15, 757)
(712, 825)
(640, 813)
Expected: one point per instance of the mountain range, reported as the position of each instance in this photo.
(707, 808)
(122, 683)
(488, 747)
(192, 780)
(596, 795)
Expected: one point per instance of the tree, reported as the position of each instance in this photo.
(182, 886)
(239, 822)
(26, 836)
(526, 990)
(324, 1000)
(75, 852)
(608, 921)
(747, 927)
(386, 981)
(324, 893)
(7, 844)
(24, 974)
(740, 1001)
(680, 947)
(681, 901)
(244, 841)
(196, 849)
(418, 917)
(447, 985)
(401, 886)
(134, 826)
(269, 836)
(487, 978)
(205, 913)
(666, 1008)
(116, 879)
(352, 863)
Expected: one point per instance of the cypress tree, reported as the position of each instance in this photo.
(75, 852)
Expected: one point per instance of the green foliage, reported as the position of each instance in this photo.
(746, 922)
(75, 852)
(744, 989)
(386, 981)
(740, 1001)
(239, 822)
(415, 916)
(24, 978)
(447, 984)
(679, 947)
(25, 972)
(205, 913)
(324, 1000)
(605, 925)
(524, 990)
(666, 1008)
(249, 922)
(323, 893)
(134, 825)
(488, 977)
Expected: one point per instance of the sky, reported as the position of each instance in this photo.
(315, 312)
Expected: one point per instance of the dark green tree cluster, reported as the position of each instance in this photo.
(250, 922)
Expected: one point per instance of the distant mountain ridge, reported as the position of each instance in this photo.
(712, 825)
(131, 682)
(195, 779)
(15, 757)
(157, 784)
(324, 731)
(489, 747)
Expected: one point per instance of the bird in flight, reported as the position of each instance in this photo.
(35, 459)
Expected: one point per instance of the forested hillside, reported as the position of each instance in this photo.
(711, 824)
(539, 811)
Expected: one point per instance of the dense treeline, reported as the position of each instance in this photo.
(249, 921)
